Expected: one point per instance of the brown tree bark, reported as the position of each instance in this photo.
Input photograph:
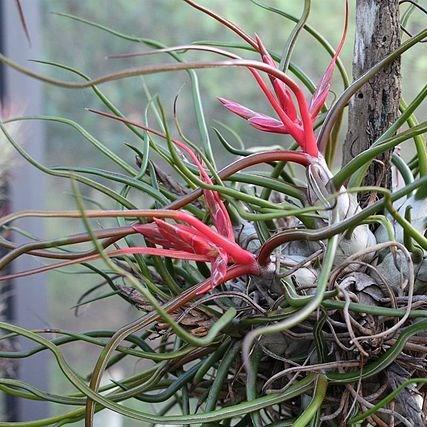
(376, 105)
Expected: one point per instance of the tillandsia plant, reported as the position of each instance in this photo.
(275, 299)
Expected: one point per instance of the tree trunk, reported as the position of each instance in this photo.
(376, 105)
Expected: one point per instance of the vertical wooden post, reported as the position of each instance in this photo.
(376, 105)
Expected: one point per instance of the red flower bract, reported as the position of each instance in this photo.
(196, 238)
(301, 127)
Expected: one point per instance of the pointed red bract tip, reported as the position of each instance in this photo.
(238, 109)
(268, 124)
(217, 209)
(322, 90)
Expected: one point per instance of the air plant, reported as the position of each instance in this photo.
(274, 303)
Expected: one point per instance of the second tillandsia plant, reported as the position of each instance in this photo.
(263, 297)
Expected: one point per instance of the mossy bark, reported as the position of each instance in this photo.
(376, 105)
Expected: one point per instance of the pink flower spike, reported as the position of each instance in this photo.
(152, 233)
(176, 237)
(189, 243)
(281, 91)
(259, 121)
(236, 253)
(290, 124)
(180, 235)
(285, 100)
(281, 101)
(308, 142)
(268, 124)
(216, 206)
(251, 116)
(322, 90)
(238, 109)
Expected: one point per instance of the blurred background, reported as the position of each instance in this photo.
(48, 301)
